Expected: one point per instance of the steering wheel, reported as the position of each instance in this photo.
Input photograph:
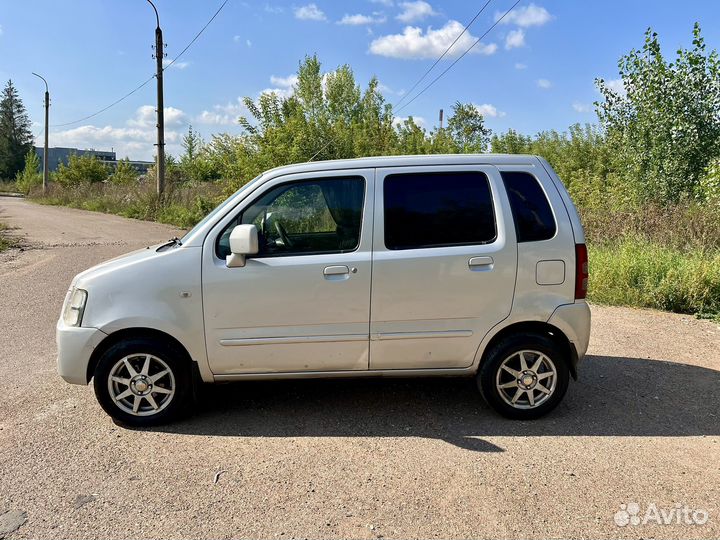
(283, 234)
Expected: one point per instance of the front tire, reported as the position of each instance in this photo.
(143, 382)
(524, 377)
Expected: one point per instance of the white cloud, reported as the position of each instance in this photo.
(400, 120)
(489, 111)
(581, 107)
(1, 30)
(415, 11)
(385, 89)
(310, 12)
(238, 39)
(531, 15)
(544, 84)
(359, 19)
(223, 115)
(387, 3)
(175, 65)
(520, 66)
(146, 117)
(284, 82)
(412, 43)
(282, 86)
(515, 38)
(617, 86)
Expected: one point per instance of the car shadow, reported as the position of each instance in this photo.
(614, 396)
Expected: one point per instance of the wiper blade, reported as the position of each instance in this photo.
(174, 241)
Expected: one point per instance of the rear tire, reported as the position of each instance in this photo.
(524, 376)
(143, 382)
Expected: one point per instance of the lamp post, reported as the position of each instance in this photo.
(46, 172)
(159, 55)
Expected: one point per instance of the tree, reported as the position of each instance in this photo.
(124, 174)
(81, 169)
(663, 125)
(467, 128)
(194, 165)
(30, 176)
(16, 139)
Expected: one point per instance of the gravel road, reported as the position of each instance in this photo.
(347, 459)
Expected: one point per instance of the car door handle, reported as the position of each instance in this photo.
(477, 262)
(336, 270)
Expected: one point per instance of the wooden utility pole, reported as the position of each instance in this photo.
(159, 56)
(46, 172)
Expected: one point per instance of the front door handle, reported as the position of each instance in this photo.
(478, 262)
(336, 270)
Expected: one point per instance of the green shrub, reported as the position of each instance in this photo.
(30, 177)
(84, 169)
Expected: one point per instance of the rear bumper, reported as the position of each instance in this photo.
(574, 321)
(75, 346)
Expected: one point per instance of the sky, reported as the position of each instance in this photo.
(533, 71)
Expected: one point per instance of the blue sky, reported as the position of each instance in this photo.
(534, 71)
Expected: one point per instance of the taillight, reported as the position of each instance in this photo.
(581, 271)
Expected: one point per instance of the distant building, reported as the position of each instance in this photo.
(59, 155)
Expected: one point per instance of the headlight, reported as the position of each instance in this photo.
(74, 307)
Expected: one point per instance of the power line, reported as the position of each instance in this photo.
(316, 154)
(146, 82)
(197, 35)
(130, 93)
(459, 57)
(421, 79)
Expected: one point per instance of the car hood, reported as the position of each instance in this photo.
(123, 261)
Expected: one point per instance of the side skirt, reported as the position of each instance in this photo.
(447, 372)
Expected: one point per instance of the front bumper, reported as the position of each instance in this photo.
(75, 345)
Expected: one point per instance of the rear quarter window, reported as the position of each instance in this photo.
(531, 210)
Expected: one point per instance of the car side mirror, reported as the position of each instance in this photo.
(243, 242)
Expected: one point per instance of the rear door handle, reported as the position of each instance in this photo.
(476, 262)
(336, 270)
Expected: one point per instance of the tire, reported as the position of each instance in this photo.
(495, 377)
(142, 382)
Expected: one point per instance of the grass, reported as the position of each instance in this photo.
(181, 206)
(634, 272)
(6, 241)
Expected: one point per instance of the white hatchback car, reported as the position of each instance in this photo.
(392, 266)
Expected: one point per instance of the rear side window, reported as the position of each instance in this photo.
(424, 210)
(530, 208)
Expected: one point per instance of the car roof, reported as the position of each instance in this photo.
(407, 161)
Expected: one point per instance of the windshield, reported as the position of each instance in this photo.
(219, 208)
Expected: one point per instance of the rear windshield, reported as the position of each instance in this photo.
(530, 208)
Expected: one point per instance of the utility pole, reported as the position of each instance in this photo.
(159, 55)
(46, 172)
(441, 118)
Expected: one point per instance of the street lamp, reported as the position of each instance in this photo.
(159, 54)
(46, 172)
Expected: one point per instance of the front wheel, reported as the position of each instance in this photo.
(524, 377)
(142, 382)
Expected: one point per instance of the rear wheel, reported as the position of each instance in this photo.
(524, 376)
(143, 382)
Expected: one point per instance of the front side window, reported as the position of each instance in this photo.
(303, 218)
(424, 210)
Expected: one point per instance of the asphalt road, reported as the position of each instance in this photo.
(348, 459)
